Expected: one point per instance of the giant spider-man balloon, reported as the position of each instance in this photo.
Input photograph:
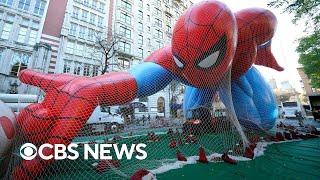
(208, 42)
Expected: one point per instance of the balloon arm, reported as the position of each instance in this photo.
(195, 98)
(254, 101)
(150, 78)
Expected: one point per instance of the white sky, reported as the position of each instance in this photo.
(284, 42)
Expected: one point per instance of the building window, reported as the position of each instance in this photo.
(86, 70)
(98, 55)
(79, 49)
(140, 53)
(158, 44)
(168, 28)
(25, 22)
(94, 4)
(32, 37)
(95, 70)
(73, 29)
(90, 34)
(75, 12)
(158, 3)
(140, 4)
(148, 41)
(157, 11)
(125, 32)
(84, 15)
(82, 31)
(22, 35)
(100, 20)
(140, 14)
(89, 52)
(125, 47)
(158, 22)
(6, 31)
(149, 29)
(77, 69)
(167, 9)
(66, 67)
(140, 26)
(125, 18)
(124, 63)
(24, 4)
(126, 5)
(148, 18)
(70, 47)
(168, 19)
(101, 6)
(39, 7)
(35, 24)
(86, 2)
(159, 34)
(92, 18)
(140, 40)
(7, 2)
(19, 62)
(10, 17)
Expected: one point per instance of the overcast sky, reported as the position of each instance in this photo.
(284, 42)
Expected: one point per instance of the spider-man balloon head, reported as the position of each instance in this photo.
(203, 43)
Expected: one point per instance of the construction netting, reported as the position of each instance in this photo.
(199, 98)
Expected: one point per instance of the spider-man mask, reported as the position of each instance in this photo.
(203, 43)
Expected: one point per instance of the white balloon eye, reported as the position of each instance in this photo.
(209, 61)
(178, 62)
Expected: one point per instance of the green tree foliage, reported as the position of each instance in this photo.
(309, 50)
(309, 46)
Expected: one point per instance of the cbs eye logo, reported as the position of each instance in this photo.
(28, 151)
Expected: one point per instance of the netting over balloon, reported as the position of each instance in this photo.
(227, 105)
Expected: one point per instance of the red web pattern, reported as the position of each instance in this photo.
(69, 102)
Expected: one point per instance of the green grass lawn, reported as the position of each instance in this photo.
(289, 160)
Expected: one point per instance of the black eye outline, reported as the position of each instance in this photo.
(265, 44)
(178, 60)
(220, 46)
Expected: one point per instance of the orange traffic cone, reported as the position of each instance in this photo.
(202, 156)
(142, 174)
(227, 159)
(180, 156)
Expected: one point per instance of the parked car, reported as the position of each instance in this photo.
(291, 109)
(107, 116)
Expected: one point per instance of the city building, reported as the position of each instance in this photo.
(71, 36)
(273, 83)
(137, 28)
(305, 83)
(21, 24)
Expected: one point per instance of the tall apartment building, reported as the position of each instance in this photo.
(145, 25)
(142, 25)
(84, 23)
(69, 30)
(305, 82)
(21, 23)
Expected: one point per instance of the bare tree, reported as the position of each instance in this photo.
(107, 46)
